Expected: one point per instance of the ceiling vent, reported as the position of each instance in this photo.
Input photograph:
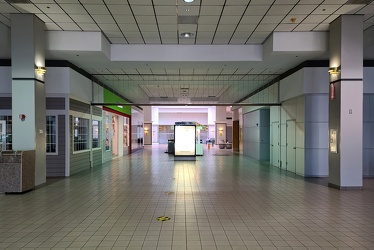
(354, 2)
(18, 1)
(187, 19)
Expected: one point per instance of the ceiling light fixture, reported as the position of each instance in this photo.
(187, 35)
(188, 1)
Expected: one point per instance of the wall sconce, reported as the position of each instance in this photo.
(220, 131)
(146, 131)
(334, 70)
(40, 70)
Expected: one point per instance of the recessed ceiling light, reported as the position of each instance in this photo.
(188, 1)
(187, 35)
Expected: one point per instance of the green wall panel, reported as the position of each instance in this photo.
(109, 97)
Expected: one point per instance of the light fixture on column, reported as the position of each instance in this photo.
(334, 70)
(146, 131)
(220, 131)
(40, 70)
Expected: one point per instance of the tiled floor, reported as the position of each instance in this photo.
(218, 202)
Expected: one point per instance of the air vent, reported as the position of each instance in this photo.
(17, 1)
(188, 19)
(354, 2)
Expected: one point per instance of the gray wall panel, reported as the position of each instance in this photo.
(97, 111)
(97, 158)
(5, 102)
(79, 106)
(55, 103)
(56, 163)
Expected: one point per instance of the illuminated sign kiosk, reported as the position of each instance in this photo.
(184, 141)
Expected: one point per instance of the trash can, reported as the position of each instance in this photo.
(170, 146)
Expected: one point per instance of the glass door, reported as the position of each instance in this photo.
(2, 135)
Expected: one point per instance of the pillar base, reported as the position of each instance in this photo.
(345, 187)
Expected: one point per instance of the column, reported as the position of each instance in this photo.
(147, 125)
(220, 124)
(346, 102)
(235, 130)
(28, 90)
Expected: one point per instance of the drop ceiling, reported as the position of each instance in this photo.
(212, 22)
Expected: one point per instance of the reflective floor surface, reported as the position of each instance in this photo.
(221, 201)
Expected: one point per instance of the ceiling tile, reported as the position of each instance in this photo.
(262, 2)
(286, 27)
(226, 28)
(132, 34)
(169, 41)
(168, 27)
(298, 18)
(230, 20)
(109, 2)
(44, 18)
(152, 40)
(88, 2)
(165, 34)
(82, 18)
(119, 9)
(103, 19)
(113, 33)
(348, 9)
(135, 40)
(266, 26)
(204, 28)
(41, 1)
(187, 11)
(368, 9)
(166, 19)
(237, 2)
(305, 27)
(260, 34)
(272, 19)
(146, 19)
(60, 18)
(213, 2)
(238, 40)
(7, 8)
(311, 1)
(303, 9)
(165, 10)
(52, 26)
(69, 26)
(314, 19)
(140, 2)
(330, 18)
(210, 10)
(95, 9)
(108, 26)
(250, 19)
(148, 27)
(50, 8)
(322, 27)
(279, 9)
(242, 34)
(89, 26)
(142, 10)
(126, 19)
(286, 1)
(187, 27)
(208, 20)
(73, 8)
(233, 10)
(246, 27)
(256, 10)
(27, 8)
(326, 9)
(128, 27)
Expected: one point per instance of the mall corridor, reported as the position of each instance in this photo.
(221, 201)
